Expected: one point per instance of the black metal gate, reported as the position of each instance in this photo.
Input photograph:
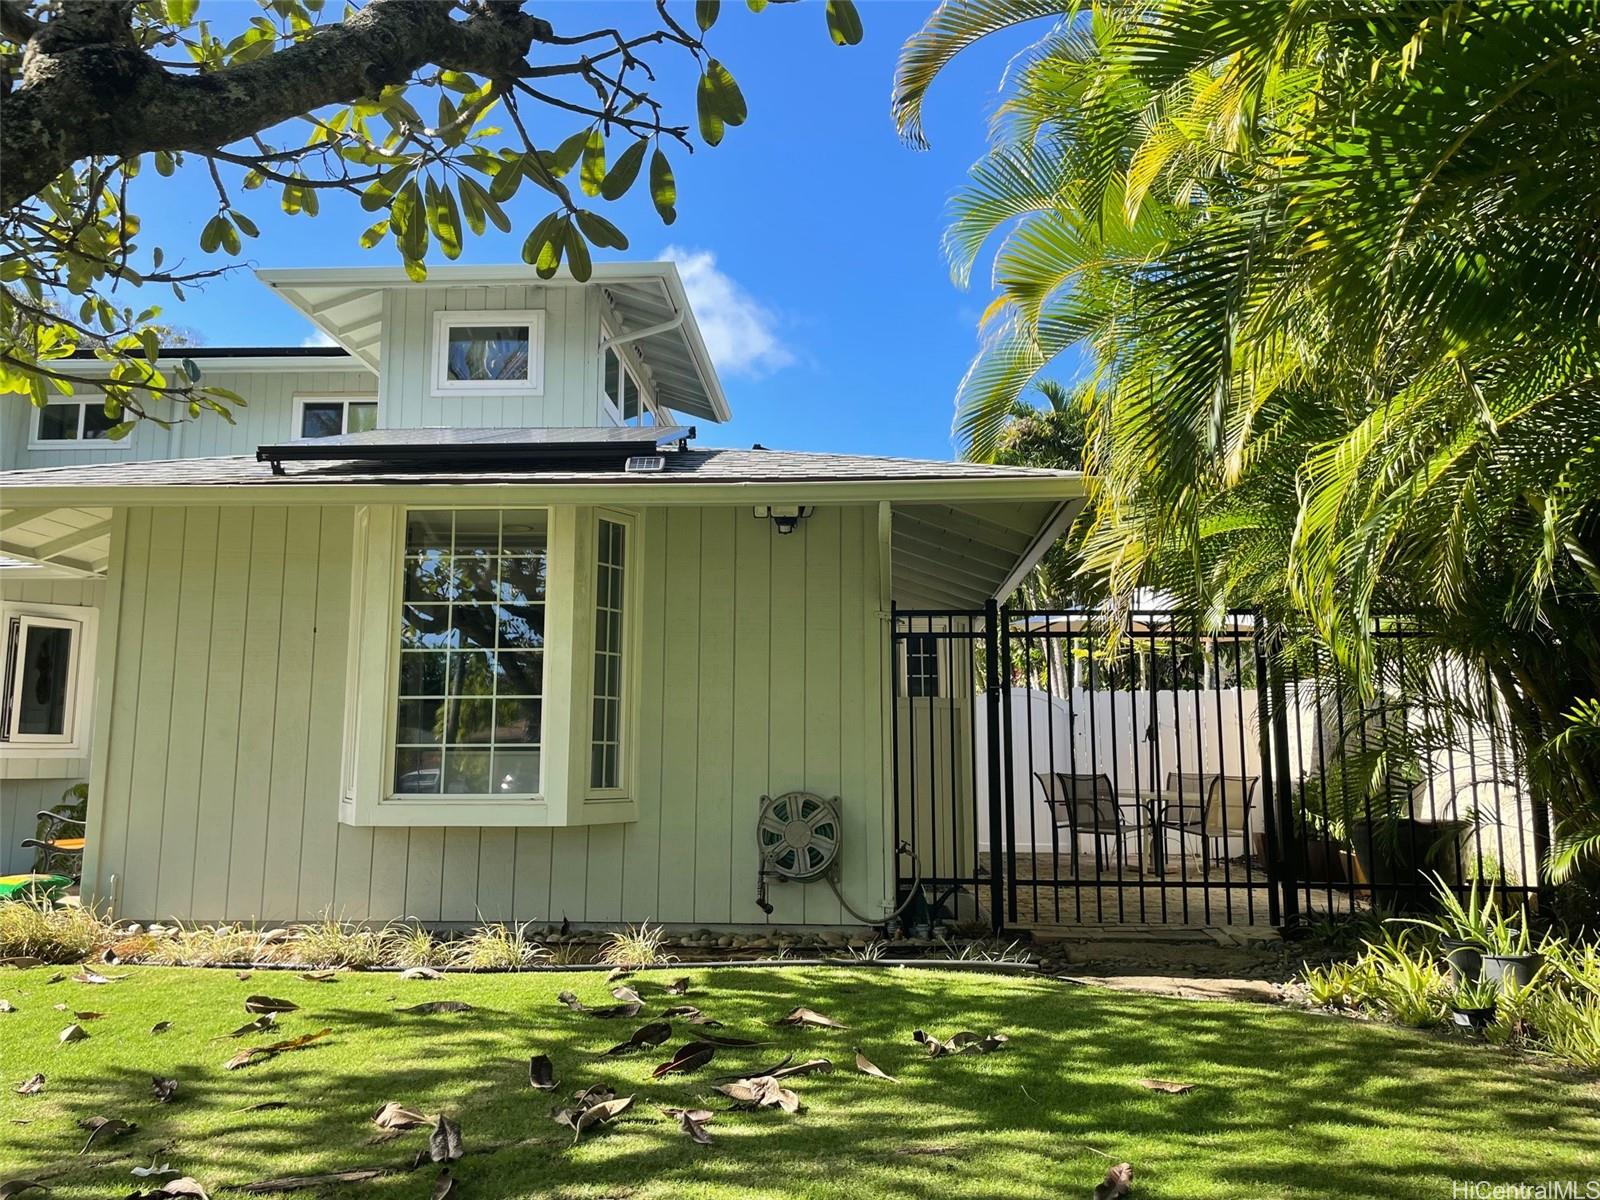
(1046, 773)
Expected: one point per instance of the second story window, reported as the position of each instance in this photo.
(477, 352)
(70, 421)
(325, 416)
(623, 399)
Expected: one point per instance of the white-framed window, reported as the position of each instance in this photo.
(924, 668)
(49, 651)
(469, 714)
(623, 395)
(326, 416)
(488, 352)
(72, 424)
(608, 693)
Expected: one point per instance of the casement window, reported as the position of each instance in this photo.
(469, 718)
(610, 613)
(63, 423)
(44, 707)
(488, 352)
(326, 416)
(623, 396)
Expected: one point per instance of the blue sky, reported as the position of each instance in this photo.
(810, 237)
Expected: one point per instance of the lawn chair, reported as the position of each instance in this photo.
(62, 842)
(1086, 805)
(1209, 807)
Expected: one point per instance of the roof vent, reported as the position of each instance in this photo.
(644, 464)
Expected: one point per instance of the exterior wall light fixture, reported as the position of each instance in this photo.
(785, 517)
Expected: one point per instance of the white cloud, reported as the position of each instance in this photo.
(740, 331)
(319, 338)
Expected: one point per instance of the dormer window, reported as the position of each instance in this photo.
(476, 353)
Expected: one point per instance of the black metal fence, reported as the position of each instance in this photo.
(1047, 773)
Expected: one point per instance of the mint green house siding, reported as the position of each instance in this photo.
(223, 668)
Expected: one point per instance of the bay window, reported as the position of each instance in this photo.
(489, 678)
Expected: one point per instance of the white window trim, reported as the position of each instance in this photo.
(630, 366)
(346, 399)
(631, 593)
(74, 742)
(447, 319)
(81, 443)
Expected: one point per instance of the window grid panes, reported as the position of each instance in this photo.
(73, 421)
(922, 666)
(470, 712)
(605, 743)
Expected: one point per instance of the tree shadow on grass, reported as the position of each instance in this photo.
(1283, 1103)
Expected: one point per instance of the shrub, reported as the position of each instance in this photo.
(1406, 982)
(498, 947)
(205, 946)
(1567, 1026)
(411, 946)
(57, 933)
(570, 954)
(1345, 986)
(636, 946)
(328, 942)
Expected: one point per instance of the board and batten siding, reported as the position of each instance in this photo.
(216, 783)
(571, 385)
(268, 416)
(30, 785)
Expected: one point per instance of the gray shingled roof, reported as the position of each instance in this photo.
(689, 466)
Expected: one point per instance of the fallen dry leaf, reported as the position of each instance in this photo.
(260, 1025)
(627, 995)
(320, 976)
(808, 1016)
(421, 973)
(444, 1143)
(652, 1034)
(812, 1066)
(761, 1092)
(678, 987)
(599, 1114)
(867, 1067)
(691, 1014)
(541, 1074)
(15, 1187)
(88, 976)
(433, 1007)
(257, 1053)
(617, 973)
(164, 1090)
(242, 975)
(6, 1006)
(1167, 1086)
(444, 1187)
(87, 1016)
(965, 1042)
(72, 1033)
(719, 1040)
(693, 1122)
(31, 1086)
(161, 1027)
(263, 1106)
(104, 1127)
(691, 1056)
(1118, 1182)
(268, 1004)
(174, 1189)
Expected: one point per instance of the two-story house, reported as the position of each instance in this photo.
(461, 619)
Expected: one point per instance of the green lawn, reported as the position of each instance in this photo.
(1285, 1103)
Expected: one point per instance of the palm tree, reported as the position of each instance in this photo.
(1338, 269)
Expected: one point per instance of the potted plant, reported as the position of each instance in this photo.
(1472, 1005)
(1508, 955)
(1464, 929)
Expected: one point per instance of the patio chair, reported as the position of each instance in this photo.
(62, 842)
(1212, 808)
(1085, 804)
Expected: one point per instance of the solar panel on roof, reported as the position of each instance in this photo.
(481, 447)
